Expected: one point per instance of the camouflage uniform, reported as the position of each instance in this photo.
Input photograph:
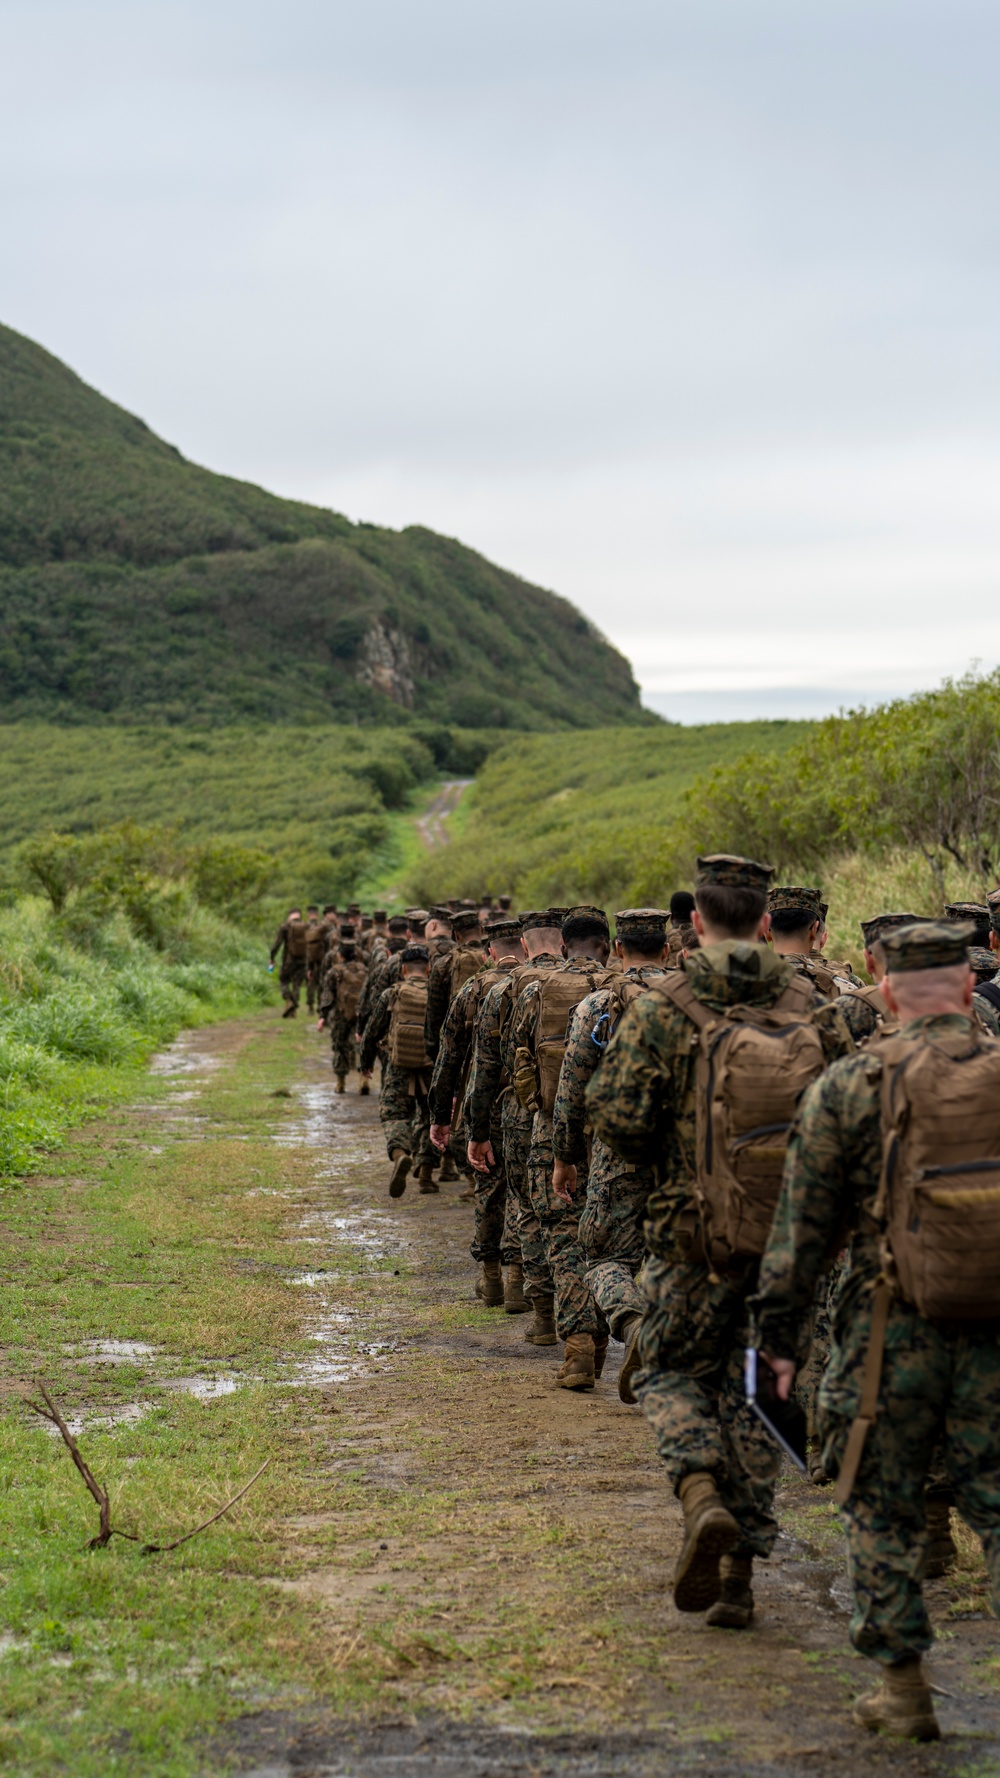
(402, 1099)
(937, 1377)
(451, 1066)
(489, 1086)
(439, 989)
(343, 1041)
(576, 1307)
(642, 1103)
(610, 1229)
(292, 972)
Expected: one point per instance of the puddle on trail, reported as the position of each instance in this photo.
(184, 1057)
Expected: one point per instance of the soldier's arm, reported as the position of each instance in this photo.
(279, 941)
(834, 1159)
(835, 1033)
(630, 1099)
(437, 1002)
(375, 1030)
(453, 1048)
(520, 1026)
(569, 1116)
(859, 1016)
(986, 1013)
(487, 1068)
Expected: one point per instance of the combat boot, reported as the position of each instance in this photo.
(514, 1300)
(901, 1705)
(490, 1286)
(447, 1171)
(577, 1368)
(541, 1329)
(340, 1084)
(290, 1010)
(630, 1363)
(709, 1534)
(600, 1353)
(941, 1552)
(426, 1178)
(401, 1164)
(364, 1089)
(733, 1609)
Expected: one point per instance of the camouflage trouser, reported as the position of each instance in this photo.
(810, 1374)
(343, 1043)
(516, 1125)
(611, 1235)
(691, 1347)
(313, 972)
(576, 1309)
(940, 1390)
(496, 1227)
(293, 974)
(405, 1113)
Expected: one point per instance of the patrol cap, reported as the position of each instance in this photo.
(578, 922)
(354, 907)
(641, 923)
(379, 915)
(993, 903)
(789, 898)
(504, 901)
(414, 954)
(976, 911)
(486, 900)
(542, 917)
(465, 920)
(453, 903)
(347, 931)
(982, 962)
(398, 923)
(880, 924)
(933, 944)
(725, 870)
(440, 912)
(502, 929)
(417, 916)
(467, 902)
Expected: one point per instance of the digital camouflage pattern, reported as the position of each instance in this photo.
(728, 871)
(642, 1103)
(940, 1381)
(796, 899)
(933, 944)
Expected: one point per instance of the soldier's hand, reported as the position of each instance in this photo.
(440, 1134)
(784, 1370)
(481, 1156)
(320, 1023)
(564, 1181)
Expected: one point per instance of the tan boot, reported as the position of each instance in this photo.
(941, 1552)
(514, 1300)
(447, 1170)
(600, 1354)
(630, 1363)
(733, 1609)
(290, 1010)
(901, 1705)
(541, 1329)
(490, 1286)
(364, 1089)
(340, 1084)
(577, 1368)
(709, 1534)
(401, 1164)
(428, 1183)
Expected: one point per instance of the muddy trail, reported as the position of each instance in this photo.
(482, 1559)
(432, 825)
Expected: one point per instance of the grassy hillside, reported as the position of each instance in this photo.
(574, 817)
(137, 586)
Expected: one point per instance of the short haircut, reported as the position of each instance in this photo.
(738, 911)
(417, 927)
(581, 926)
(791, 920)
(681, 904)
(398, 924)
(644, 944)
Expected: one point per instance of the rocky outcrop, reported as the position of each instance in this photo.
(385, 663)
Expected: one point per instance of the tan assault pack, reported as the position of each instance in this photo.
(560, 991)
(315, 941)
(466, 961)
(939, 1197)
(753, 1066)
(296, 939)
(406, 1023)
(350, 980)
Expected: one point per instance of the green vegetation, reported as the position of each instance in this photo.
(136, 586)
(565, 818)
(122, 957)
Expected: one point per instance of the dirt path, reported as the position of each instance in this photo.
(516, 1604)
(431, 825)
(452, 1567)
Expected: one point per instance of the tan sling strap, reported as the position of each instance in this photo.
(799, 996)
(871, 1379)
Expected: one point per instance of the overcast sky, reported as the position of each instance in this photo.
(685, 308)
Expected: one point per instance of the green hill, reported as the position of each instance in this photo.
(137, 586)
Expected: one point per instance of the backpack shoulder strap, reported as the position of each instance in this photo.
(990, 991)
(871, 1378)
(676, 988)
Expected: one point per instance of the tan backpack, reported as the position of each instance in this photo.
(754, 1064)
(406, 1023)
(466, 961)
(939, 1197)
(350, 980)
(536, 1076)
(296, 940)
(832, 979)
(315, 941)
